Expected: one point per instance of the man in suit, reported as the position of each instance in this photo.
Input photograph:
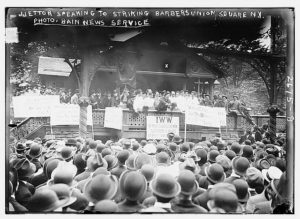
(247, 136)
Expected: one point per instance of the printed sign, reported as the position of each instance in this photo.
(34, 106)
(113, 118)
(205, 116)
(68, 114)
(159, 126)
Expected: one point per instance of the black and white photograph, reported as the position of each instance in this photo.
(149, 110)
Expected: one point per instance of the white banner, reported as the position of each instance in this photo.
(68, 114)
(206, 116)
(113, 118)
(34, 106)
(221, 115)
(159, 126)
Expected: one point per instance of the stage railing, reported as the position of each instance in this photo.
(136, 122)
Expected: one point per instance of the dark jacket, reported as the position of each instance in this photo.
(186, 206)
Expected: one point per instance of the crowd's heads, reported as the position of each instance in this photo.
(100, 187)
(223, 199)
(188, 183)
(45, 200)
(132, 185)
(122, 156)
(148, 171)
(202, 156)
(240, 165)
(215, 173)
(165, 186)
(255, 179)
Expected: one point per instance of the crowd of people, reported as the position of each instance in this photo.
(139, 101)
(158, 176)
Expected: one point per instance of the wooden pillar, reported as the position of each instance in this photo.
(273, 108)
(210, 88)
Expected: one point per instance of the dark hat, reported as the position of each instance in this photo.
(212, 156)
(163, 158)
(79, 161)
(81, 201)
(63, 191)
(247, 151)
(185, 147)
(240, 165)
(71, 142)
(50, 165)
(148, 171)
(165, 186)
(177, 139)
(215, 173)
(96, 161)
(122, 156)
(254, 178)
(67, 152)
(142, 159)
(35, 150)
(281, 164)
(100, 147)
(170, 135)
(242, 192)
(106, 206)
(224, 96)
(221, 146)
(271, 173)
(112, 161)
(92, 144)
(202, 155)
(143, 142)
(173, 146)
(24, 167)
(132, 185)
(236, 147)
(135, 146)
(230, 154)
(106, 151)
(45, 200)
(188, 183)
(247, 142)
(20, 147)
(100, 187)
(226, 200)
